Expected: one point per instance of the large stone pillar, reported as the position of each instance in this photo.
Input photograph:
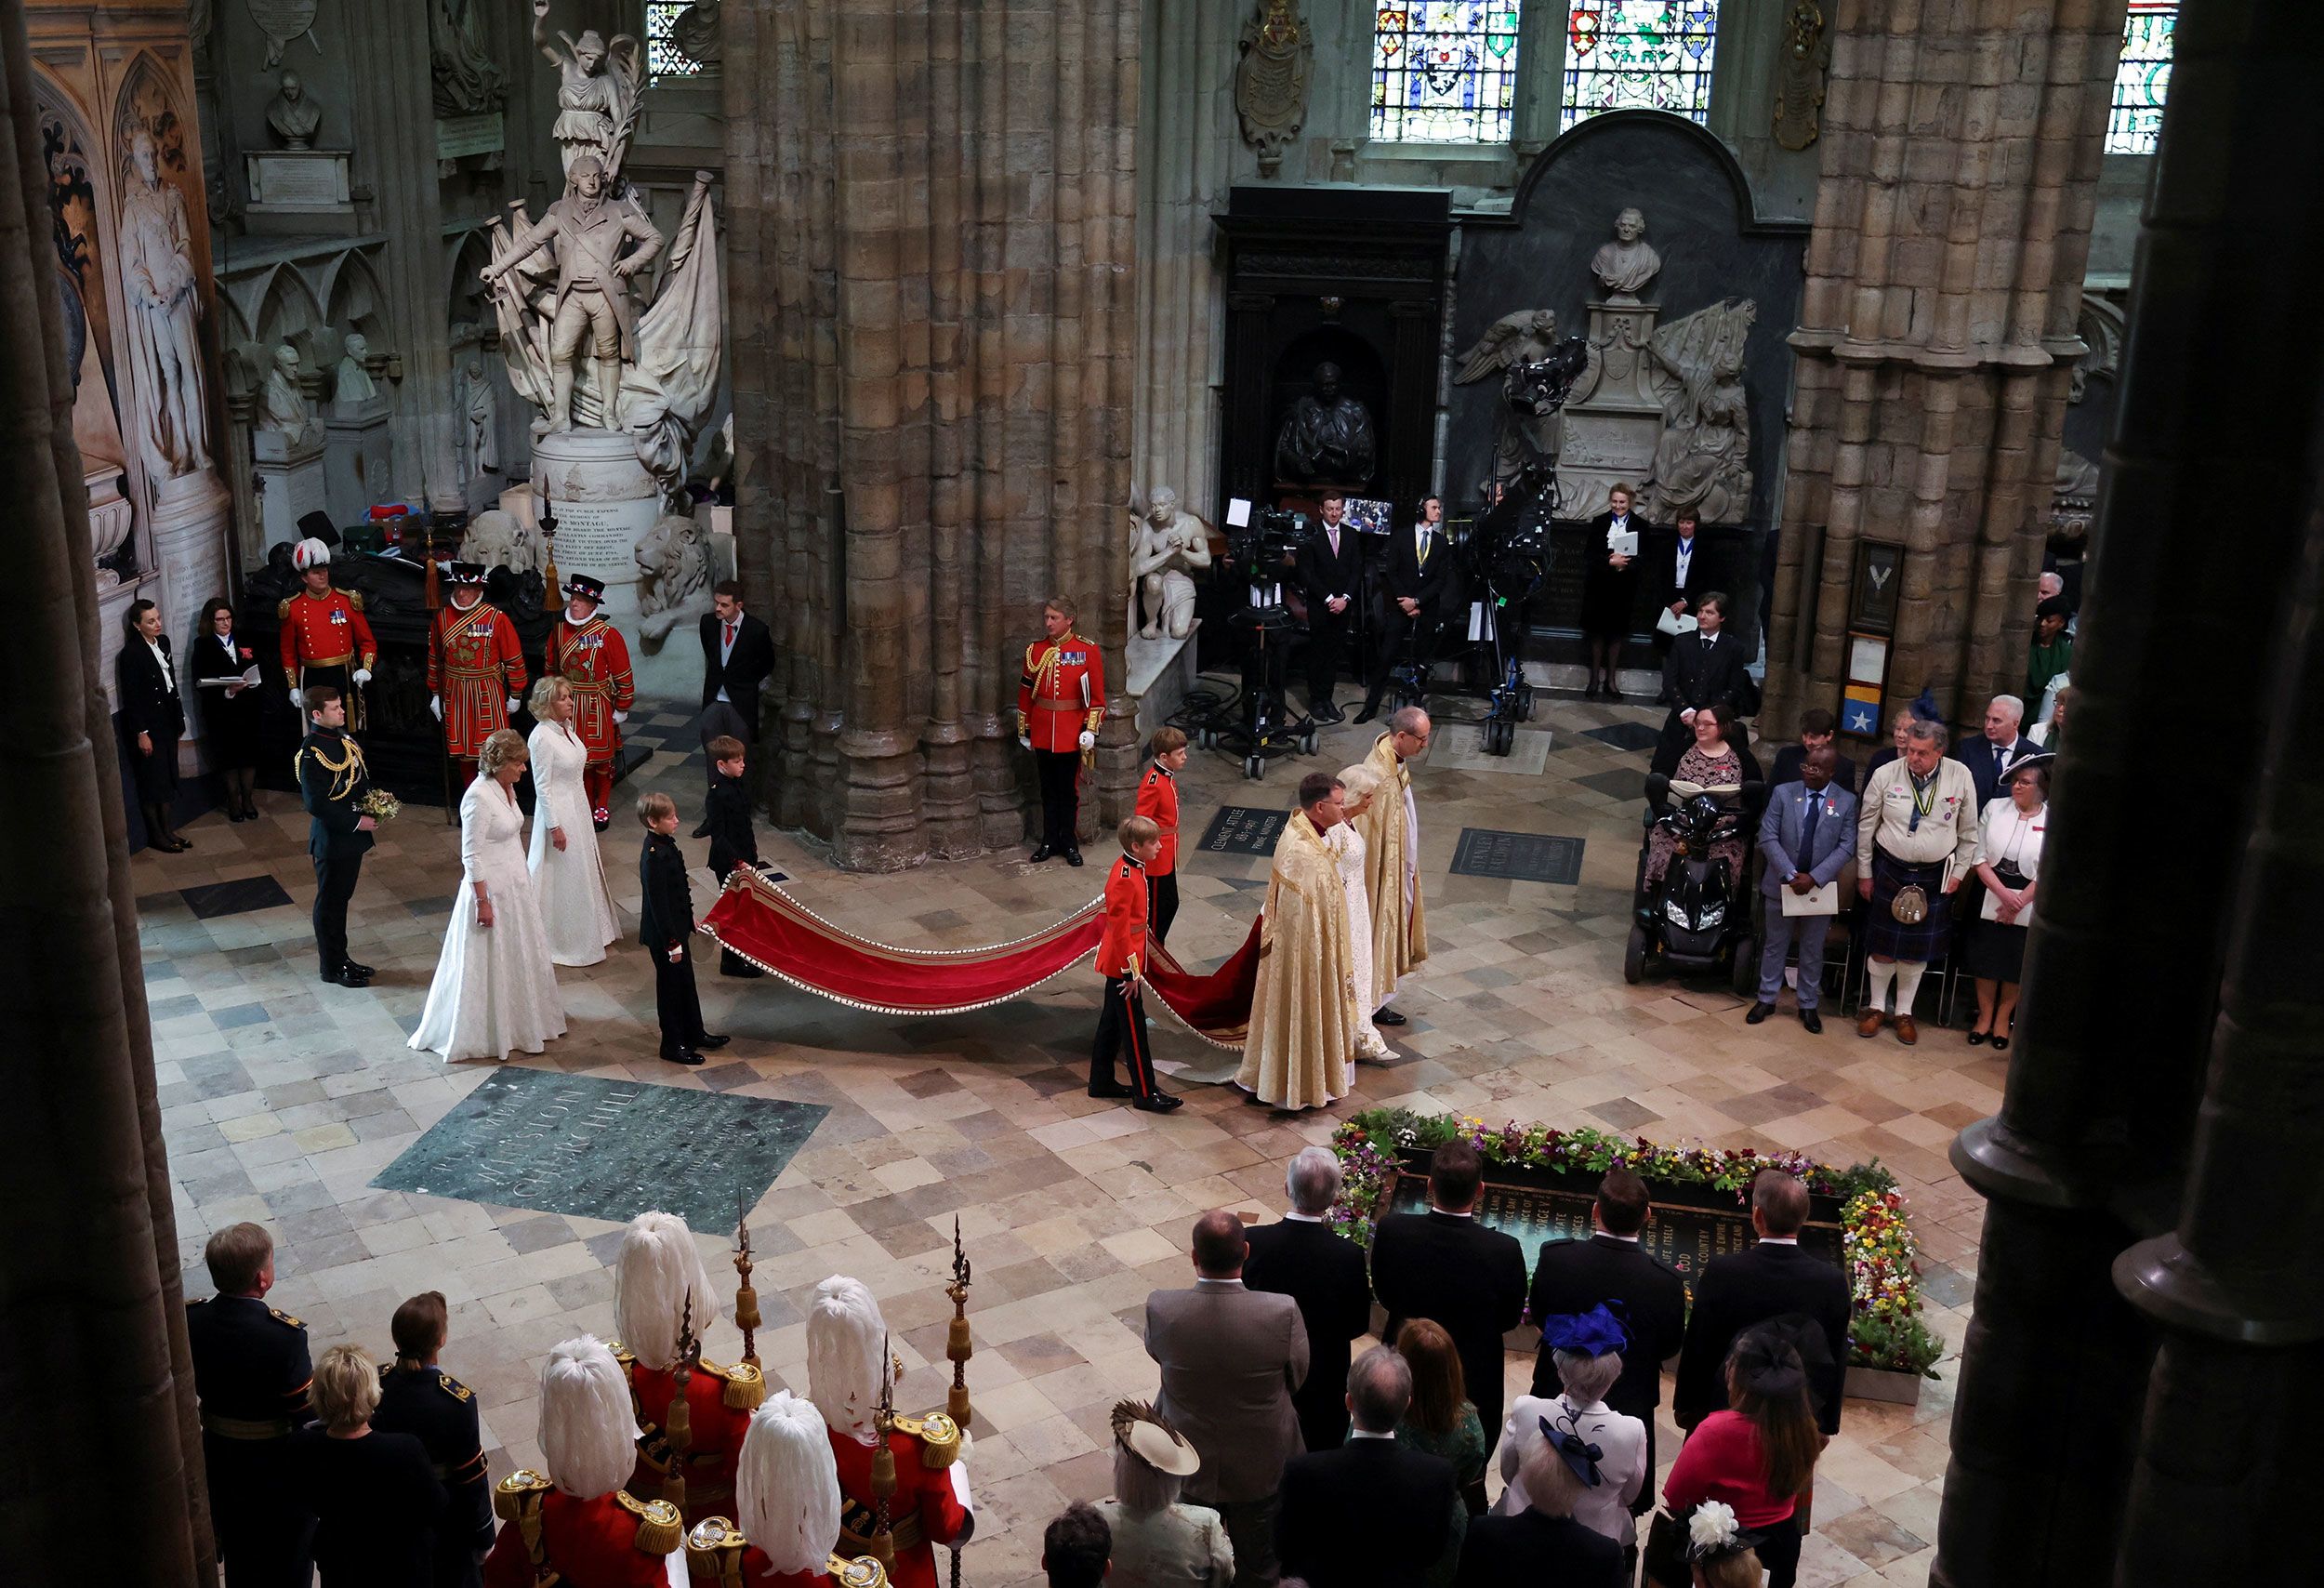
(2123, 970)
(1962, 150)
(100, 1435)
(931, 250)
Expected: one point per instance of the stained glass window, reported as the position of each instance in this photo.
(2142, 77)
(1443, 70)
(1624, 55)
(662, 57)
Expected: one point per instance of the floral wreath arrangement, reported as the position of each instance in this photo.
(1886, 1330)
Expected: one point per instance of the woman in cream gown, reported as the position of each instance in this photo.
(1362, 783)
(494, 989)
(568, 869)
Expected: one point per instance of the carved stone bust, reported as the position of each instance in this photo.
(1625, 265)
(354, 384)
(293, 114)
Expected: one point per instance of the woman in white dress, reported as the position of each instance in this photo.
(494, 989)
(1362, 783)
(568, 869)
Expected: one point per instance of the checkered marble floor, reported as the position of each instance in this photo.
(284, 1097)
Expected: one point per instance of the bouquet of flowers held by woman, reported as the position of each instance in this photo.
(378, 804)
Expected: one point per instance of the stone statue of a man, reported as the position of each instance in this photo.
(165, 304)
(293, 114)
(1625, 265)
(1167, 549)
(1326, 437)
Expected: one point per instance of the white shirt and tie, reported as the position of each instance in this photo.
(726, 646)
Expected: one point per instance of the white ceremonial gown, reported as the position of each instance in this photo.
(569, 884)
(495, 988)
(1347, 848)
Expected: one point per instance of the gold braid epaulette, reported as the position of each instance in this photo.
(714, 1553)
(939, 1437)
(660, 1528)
(746, 1387)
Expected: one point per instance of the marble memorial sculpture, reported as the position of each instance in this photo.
(1703, 459)
(282, 406)
(499, 539)
(1799, 77)
(467, 80)
(597, 86)
(480, 431)
(696, 33)
(674, 577)
(1511, 342)
(293, 114)
(281, 21)
(354, 383)
(1278, 57)
(1326, 438)
(1626, 264)
(1168, 546)
(165, 298)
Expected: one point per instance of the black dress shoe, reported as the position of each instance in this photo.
(363, 971)
(1326, 714)
(1160, 1103)
(346, 978)
(711, 1042)
(683, 1056)
(1073, 856)
(1759, 1012)
(1813, 1021)
(1040, 854)
(1111, 1090)
(1386, 1017)
(1368, 712)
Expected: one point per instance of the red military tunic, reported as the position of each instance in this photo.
(930, 1503)
(476, 664)
(326, 630)
(1158, 801)
(594, 658)
(719, 1403)
(1123, 949)
(1062, 693)
(717, 1553)
(614, 1541)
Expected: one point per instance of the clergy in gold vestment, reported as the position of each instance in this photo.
(1302, 1007)
(1390, 826)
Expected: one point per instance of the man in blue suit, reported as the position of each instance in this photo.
(1806, 836)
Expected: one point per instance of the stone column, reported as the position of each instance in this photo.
(101, 1432)
(933, 229)
(2100, 1100)
(1962, 149)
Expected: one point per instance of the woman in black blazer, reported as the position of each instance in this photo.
(1609, 593)
(230, 709)
(152, 720)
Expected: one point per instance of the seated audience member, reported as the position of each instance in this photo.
(419, 1399)
(1614, 1265)
(1758, 1454)
(1816, 733)
(1300, 1257)
(1773, 1278)
(1588, 1348)
(1157, 1541)
(1444, 1265)
(1543, 1543)
(1077, 1547)
(1717, 759)
(374, 1496)
(1989, 756)
(1374, 1511)
(2009, 858)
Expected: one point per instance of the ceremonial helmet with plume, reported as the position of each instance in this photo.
(847, 1353)
(588, 1433)
(787, 1487)
(658, 1269)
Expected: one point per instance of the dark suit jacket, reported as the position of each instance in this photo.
(1373, 1513)
(1787, 769)
(1530, 1547)
(666, 915)
(726, 823)
(1321, 574)
(1977, 754)
(1432, 586)
(1574, 1275)
(1696, 675)
(1467, 1278)
(149, 703)
(331, 834)
(1662, 572)
(744, 672)
(1744, 1288)
(1325, 1274)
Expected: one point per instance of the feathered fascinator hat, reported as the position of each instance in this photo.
(1593, 1334)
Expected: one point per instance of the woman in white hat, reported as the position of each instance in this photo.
(1159, 1541)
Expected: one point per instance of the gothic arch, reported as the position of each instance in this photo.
(355, 300)
(287, 310)
(465, 299)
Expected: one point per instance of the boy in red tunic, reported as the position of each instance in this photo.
(1122, 959)
(577, 1525)
(847, 1370)
(656, 1277)
(1061, 701)
(595, 660)
(787, 1498)
(325, 638)
(1158, 801)
(476, 672)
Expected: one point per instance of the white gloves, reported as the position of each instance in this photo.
(621, 716)
(1089, 740)
(512, 705)
(299, 696)
(1026, 739)
(435, 706)
(362, 675)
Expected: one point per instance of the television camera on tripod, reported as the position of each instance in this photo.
(1264, 727)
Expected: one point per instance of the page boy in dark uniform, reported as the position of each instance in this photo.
(331, 779)
(726, 823)
(419, 1399)
(1122, 961)
(665, 925)
(251, 1374)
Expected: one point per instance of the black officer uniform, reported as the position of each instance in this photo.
(439, 1412)
(331, 778)
(251, 1374)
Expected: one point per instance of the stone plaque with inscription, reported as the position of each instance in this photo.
(1522, 857)
(297, 178)
(479, 134)
(605, 1149)
(1244, 830)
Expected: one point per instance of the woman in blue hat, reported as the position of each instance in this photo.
(1587, 1349)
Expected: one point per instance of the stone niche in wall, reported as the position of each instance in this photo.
(1714, 250)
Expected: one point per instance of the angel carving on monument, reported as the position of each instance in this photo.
(597, 93)
(1168, 546)
(1519, 348)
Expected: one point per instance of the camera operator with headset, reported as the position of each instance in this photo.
(1330, 571)
(1421, 583)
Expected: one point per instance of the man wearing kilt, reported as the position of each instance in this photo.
(1916, 840)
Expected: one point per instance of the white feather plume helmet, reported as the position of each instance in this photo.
(847, 1353)
(787, 1485)
(588, 1433)
(659, 1267)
